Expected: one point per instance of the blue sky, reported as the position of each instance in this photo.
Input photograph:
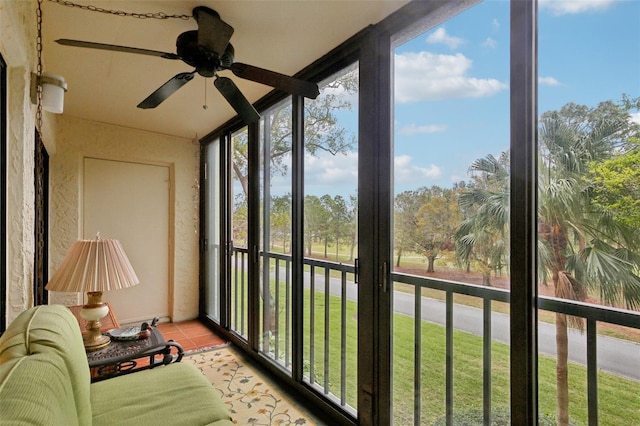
(452, 86)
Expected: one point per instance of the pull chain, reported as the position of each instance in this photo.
(205, 106)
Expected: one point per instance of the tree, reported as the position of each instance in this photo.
(338, 223)
(482, 236)
(281, 219)
(582, 245)
(322, 130)
(406, 206)
(424, 222)
(436, 221)
(616, 185)
(316, 221)
(239, 221)
(352, 224)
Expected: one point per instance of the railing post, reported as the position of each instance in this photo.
(449, 358)
(592, 372)
(486, 362)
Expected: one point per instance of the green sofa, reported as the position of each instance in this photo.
(45, 380)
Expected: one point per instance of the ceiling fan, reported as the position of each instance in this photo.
(208, 50)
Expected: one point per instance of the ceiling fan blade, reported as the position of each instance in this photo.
(113, 47)
(236, 99)
(279, 81)
(213, 33)
(166, 90)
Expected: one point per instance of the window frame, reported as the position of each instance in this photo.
(3, 194)
(372, 48)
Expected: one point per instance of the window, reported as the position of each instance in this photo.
(463, 122)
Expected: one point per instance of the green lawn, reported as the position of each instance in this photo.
(618, 397)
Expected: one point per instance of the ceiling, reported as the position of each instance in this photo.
(105, 86)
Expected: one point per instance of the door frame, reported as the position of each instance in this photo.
(171, 213)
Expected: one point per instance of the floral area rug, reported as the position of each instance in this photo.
(251, 398)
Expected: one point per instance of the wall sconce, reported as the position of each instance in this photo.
(53, 88)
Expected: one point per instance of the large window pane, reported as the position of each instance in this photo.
(588, 223)
(239, 286)
(451, 221)
(275, 277)
(330, 235)
(213, 237)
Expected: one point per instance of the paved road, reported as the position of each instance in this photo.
(615, 356)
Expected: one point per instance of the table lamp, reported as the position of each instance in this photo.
(94, 266)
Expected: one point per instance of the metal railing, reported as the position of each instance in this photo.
(592, 314)
(331, 281)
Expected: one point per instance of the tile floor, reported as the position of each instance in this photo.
(191, 335)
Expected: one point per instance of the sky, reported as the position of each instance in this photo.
(452, 87)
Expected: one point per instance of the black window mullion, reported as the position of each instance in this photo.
(297, 237)
(523, 208)
(226, 204)
(3, 193)
(374, 230)
(253, 239)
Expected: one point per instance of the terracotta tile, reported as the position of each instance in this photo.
(191, 335)
(174, 335)
(198, 331)
(167, 327)
(207, 341)
(189, 324)
(188, 345)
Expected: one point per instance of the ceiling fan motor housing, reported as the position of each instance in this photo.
(206, 62)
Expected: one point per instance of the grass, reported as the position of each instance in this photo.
(617, 396)
(618, 400)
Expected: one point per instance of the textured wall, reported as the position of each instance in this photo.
(76, 139)
(17, 45)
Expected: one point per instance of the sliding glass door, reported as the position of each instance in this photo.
(449, 232)
(451, 219)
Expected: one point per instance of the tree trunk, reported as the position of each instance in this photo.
(432, 260)
(486, 278)
(399, 256)
(562, 372)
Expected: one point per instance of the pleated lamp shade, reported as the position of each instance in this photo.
(94, 265)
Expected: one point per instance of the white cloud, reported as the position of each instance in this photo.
(412, 129)
(405, 172)
(440, 36)
(428, 76)
(548, 81)
(572, 7)
(490, 43)
(495, 24)
(635, 117)
(328, 172)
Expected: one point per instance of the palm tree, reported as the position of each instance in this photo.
(482, 236)
(581, 247)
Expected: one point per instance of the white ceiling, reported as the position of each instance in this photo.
(104, 86)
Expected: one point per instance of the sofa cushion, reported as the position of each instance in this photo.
(44, 374)
(175, 394)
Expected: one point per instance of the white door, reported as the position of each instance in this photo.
(129, 202)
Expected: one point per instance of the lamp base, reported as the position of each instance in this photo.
(93, 312)
(95, 344)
